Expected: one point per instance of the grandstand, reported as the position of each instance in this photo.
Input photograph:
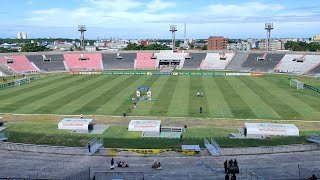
(18, 63)
(237, 61)
(83, 61)
(193, 61)
(169, 58)
(48, 62)
(262, 62)
(217, 60)
(314, 70)
(297, 64)
(118, 61)
(145, 61)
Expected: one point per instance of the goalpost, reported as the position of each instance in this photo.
(297, 83)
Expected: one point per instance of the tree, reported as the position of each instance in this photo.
(205, 47)
(33, 47)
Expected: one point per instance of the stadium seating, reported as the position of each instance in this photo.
(195, 61)
(237, 61)
(48, 62)
(144, 61)
(83, 61)
(19, 63)
(118, 61)
(215, 61)
(314, 70)
(262, 62)
(290, 63)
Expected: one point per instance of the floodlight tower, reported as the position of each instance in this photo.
(268, 27)
(82, 29)
(185, 43)
(173, 29)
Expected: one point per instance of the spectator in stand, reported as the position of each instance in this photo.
(233, 177)
(225, 167)
(112, 164)
(313, 177)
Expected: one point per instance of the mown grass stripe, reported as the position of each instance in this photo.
(195, 102)
(180, 100)
(144, 107)
(297, 104)
(217, 106)
(255, 103)
(308, 96)
(126, 104)
(76, 104)
(93, 105)
(16, 105)
(238, 107)
(14, 99)
(111, 106)
(34, 85)
(161, 106)
(282, 109)
(70, 95)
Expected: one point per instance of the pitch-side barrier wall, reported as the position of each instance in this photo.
(269, 150)
(174, 73)
(42, 148)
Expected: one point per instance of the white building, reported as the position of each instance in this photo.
(19, 35)
(274, 45)
(90, 48)
(24, 35)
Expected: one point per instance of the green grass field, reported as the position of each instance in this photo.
(117, 136)
(266, 97)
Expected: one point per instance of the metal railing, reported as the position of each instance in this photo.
(249, 174)
(41, 148)
(92, 146)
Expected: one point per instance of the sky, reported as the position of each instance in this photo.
(142, 19)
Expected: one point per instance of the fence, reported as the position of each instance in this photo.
(119, 175)
(42, 148)
(249, 175)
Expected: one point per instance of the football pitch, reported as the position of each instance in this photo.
(238, 97)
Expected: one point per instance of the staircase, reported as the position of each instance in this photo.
(7, 71)
(237, 61)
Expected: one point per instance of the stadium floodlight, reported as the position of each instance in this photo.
(268, 27)
(82, 29)
(173, 29)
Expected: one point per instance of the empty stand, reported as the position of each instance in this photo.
(315, 70)
(83, 61)
(298, 64)
(217, 60)
(194, 61)
(237, 61)
(262, 62)
(144, 61)
(48, 62)
(20, 64)
(119, 61)
(176, 58)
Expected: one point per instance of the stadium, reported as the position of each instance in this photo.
(213, 93)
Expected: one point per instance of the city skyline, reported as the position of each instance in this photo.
(132, 19)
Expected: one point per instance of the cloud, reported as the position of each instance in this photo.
(244, 9)
(158, 5)
(137, 14)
